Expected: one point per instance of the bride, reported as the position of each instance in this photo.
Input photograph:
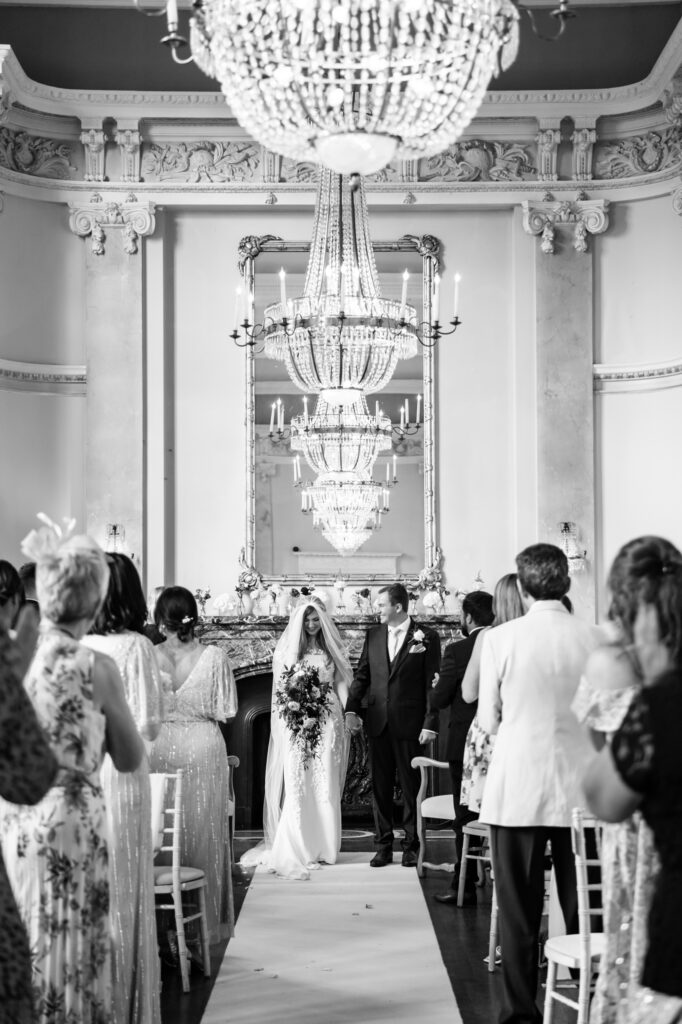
(302, 809)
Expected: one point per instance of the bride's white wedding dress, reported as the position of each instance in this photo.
(309, 829)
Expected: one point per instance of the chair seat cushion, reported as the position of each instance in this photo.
(476, 828)
(565, 949)
(441, 807)
(164, 876)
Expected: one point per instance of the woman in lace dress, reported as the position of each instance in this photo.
(612, 679)
(27, 769)
(507, 605)
(56, 851)
(642, 769)
(199, 692)
(117, 631)
(302, 810)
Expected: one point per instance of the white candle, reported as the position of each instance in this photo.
(419, 408)
(402, 417)
(436, 296)
(387, 473)
(298, 467)
(280, 415)
(377, 413)
(305, 410)
(407, 411)
(272, 419)
(403, 297)
(237, 306)
(458, 278)
(283, 291)
(172, 15)
(293, 465)
(395, 467)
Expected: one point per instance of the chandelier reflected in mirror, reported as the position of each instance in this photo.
(339, 441)
(346, 509)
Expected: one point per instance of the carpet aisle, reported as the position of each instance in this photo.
(351, 944)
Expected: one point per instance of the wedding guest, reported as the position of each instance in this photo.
(27, 770)
(613, 678)
(199, 692)
(151, 630)
(27, 575)
(117, 631)
(530, 670)
(304, 829)
(396, 669)
(56, 851)
(446, 691)
(642, 769)
(11, 594)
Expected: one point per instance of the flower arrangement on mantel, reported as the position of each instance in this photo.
(201, 596)
(432, 585)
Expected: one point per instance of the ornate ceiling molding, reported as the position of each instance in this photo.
(42, 378)
(132, 218)
(637, 376)
(588, 216)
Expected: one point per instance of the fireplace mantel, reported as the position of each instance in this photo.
(250, 643)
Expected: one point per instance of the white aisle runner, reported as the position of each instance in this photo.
(353, 945)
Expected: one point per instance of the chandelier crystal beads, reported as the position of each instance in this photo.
(338, 442)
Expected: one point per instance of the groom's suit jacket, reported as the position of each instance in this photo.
(397, 691)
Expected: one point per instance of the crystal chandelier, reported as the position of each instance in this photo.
(353, 83)
(340, 339)
(336, 441)
(346, 509)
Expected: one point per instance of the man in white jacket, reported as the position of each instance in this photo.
(530, 670)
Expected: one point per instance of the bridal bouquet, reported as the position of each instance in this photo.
(303, 702)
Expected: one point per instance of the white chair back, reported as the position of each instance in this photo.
(157, 782)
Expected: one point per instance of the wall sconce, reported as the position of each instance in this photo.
(116, 535)
(570, 545)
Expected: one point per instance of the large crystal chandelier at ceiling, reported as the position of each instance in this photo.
(353, 83)
(336, 442)
(340, 339)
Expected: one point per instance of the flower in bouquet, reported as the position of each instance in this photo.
(303, 702)
(432, 599)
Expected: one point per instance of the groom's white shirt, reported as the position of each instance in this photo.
(530, 670)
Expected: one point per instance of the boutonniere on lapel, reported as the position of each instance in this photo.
(417, 643)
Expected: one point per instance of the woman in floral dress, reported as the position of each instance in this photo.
(56, 851)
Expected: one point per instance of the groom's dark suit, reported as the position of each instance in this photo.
(397, 711)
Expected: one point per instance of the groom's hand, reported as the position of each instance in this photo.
(436, 677)
(353, 723)
(426, 736)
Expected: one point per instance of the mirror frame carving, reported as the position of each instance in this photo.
(426, 246)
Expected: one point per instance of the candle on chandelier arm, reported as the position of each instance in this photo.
(305, 410)
(388, 471)
(403, 297)
(419, 409)
(395, 467)
(436, 296)
(377, 413)
(283, 290)
(402, 417)
(280, 415)
(272, 419)
(407, 411)
(298, 467)
(458, 278)
(293, 466)
(172, 15)
(237, 306)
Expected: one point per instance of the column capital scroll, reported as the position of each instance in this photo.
(134, 219)
(588, 216)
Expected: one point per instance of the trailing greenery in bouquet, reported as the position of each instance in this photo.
(303, 702)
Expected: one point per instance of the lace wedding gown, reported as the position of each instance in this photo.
(309, 829)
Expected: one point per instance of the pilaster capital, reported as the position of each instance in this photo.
(93, 140)
(134, 219)
(672, 102)
(586, 216)
(583, 140)
(271, 164)
(128, 142)
(548, 140)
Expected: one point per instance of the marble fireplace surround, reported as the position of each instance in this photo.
(250, 645)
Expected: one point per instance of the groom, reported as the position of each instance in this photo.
(396, 669)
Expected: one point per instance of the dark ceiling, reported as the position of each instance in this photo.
(83, 48)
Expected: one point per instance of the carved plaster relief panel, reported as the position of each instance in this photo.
(128, 142)
(31, 154)
(202, 162)
(583, 140)
(641, 154)
(478, 160)
(295, 172)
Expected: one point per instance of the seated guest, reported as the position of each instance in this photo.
(27, 770)
(641, 770)
(117, 631)
(27, 575)
(11, 594)
(530, 670)
(199, 692)
(56, 851)
(446, 691)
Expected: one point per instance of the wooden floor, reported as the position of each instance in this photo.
(462, 935)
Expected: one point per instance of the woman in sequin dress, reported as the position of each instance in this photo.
(302, 811)
(56, 851)
(117, 631)
(611, 681)
(199, 692)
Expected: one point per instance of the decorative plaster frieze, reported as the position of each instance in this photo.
(588, 216)
(672, 102)
(93, 140)
(583, 140)
(30, 154)
(133, 218)
(201, 162)
(44, 378)
(292, 171)
(128, 142)
(641, 154)
(677, 201)
(271, 164)
(548, 140)
(389, 173)
(478, 160)
(637, 377)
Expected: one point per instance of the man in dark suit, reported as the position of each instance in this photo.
(396, 669)
(477, 612)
